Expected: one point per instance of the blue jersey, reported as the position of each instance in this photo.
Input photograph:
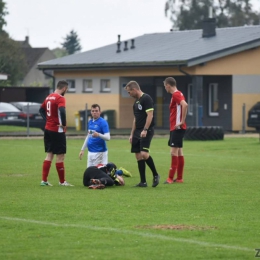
(96, 144)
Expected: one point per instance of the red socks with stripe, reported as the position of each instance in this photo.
(61, 171)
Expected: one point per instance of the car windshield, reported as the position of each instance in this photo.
(33, 109)
(6, 107)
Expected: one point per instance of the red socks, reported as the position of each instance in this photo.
(180, 167)
(61, 171)
(177, 164)
(174, 165)
(45, 170)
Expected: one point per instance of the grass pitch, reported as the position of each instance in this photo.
(214, 214)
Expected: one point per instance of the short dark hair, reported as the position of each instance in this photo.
(95, 106)
(132, 84)
(170, 81)
(62, 83)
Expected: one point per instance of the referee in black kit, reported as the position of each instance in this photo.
(142, 132)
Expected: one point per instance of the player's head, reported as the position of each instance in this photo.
(133, 89)
(95, 111)
(111, 167)
(169, 83)
(62, 86)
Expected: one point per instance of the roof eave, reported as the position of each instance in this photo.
(122, 65)
(223, 53)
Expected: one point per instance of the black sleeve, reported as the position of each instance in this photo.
(63, 115)
(43, 113)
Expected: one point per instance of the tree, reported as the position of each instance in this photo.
(3, 13)
(188, 14)
(71, 43)
(59, 52)
(12, 60)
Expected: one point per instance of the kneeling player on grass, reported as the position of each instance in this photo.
(102, 175)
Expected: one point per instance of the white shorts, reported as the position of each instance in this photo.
(96, 158)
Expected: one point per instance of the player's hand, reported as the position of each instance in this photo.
(81, 153)
(130, 139)
(95, 134)
(143, 133)
(178, 126)
(63, 127)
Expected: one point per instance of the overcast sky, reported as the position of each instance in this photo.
(97, 22)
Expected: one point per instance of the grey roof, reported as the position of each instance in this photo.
(164, 49)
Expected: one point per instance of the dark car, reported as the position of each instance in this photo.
(32, 109)
(254, 117)
(10, 115)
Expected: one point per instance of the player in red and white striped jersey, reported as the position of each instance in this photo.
(178, 111)
(53, 111)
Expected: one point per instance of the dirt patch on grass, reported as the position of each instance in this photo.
(176, 227)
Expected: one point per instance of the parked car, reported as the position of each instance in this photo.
(35, 118)
(21, 105)
(11, 115)
(254, 117)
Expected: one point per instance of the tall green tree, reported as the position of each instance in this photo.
(3, 13)
(12, 60)
(72, 43)
(188, 14)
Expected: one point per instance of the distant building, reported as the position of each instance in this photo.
(217, 69)
(33, 56)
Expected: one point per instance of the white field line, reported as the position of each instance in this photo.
(130, 232)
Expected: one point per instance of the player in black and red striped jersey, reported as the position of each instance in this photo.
(54, 112)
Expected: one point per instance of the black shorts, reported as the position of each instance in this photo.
(141, 143)
(54, 142)
(176, 138)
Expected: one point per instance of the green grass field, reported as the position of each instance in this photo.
(214, 214)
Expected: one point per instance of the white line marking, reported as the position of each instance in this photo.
(145, 234)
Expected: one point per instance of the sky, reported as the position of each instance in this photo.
(97, 22)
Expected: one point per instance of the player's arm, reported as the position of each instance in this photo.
(149, 118)
(84, 146)
(105, 130)
(132, 131)
(133, 127)
(63, 115)
(42, 113)
(148, 121)
(105, 136)
(184, 107)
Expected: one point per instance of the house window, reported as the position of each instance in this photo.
(87, 86)
(105, 85)
(213, 99)
(71, 88)
(190, 100)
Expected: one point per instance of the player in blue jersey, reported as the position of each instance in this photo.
(95, 142)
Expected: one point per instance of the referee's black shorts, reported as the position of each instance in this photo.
(142, 143)
(54, 142)
(176, 138)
